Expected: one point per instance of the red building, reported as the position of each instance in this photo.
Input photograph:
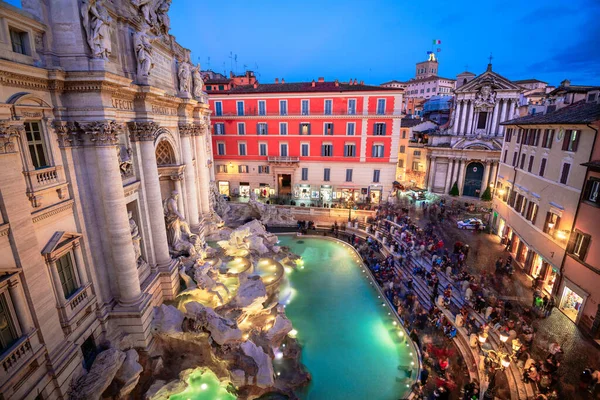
(311, 142)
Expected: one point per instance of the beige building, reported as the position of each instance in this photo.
(539, 184)
(466, 150)
(412, 155)
(98, 125)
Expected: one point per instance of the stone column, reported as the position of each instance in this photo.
(502, 118)
(83, 277)
(177, 181)
(204, 178)
(463, 122)
(431, 180)
(494, 173)
(457, 120)
(60, 295)
(20, 303)
(494, 118)
(449, 174)
(143, 132)
(461, 175)
(185, 131)
(101, 136)
(486, 176)
(471, 117)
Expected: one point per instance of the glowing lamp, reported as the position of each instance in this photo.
(505, 362)
(293, 333)
(482, 338)
(204, 386)
(503, 337)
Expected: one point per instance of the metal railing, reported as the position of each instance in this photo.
(285, 159)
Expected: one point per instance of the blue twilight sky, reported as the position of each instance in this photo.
(381, 40)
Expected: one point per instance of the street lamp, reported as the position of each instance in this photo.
(497, 361)
(349, 204)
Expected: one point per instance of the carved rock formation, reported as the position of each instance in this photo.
(167, 320)
(222, 330)
(129, 373)
(91, 385)
(264, 376)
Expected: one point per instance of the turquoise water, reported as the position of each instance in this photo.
(349, 343)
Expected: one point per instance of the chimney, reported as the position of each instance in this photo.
(565, 83)
(282, 81)
(355, 82)
(313, 83)
(337, 84)
(276, 80)
(350, 82)
(255, 84)
(362, 82)
(321, 79)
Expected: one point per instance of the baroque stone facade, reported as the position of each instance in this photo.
(102, 117)
(466, 150)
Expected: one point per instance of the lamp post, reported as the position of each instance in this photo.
(349, 203)
(497, 361)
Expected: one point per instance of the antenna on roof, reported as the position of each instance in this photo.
(208, 63)
(235, 60)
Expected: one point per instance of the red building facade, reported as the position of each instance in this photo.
(310, 142)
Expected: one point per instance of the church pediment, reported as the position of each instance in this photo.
(489, 79)
(477, 144)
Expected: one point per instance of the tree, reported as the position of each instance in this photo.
(454, 191)
(487, 195)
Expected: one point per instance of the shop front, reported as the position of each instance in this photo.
(224, 188)
(326, 194)
(374, 194)
(264, 191)
(302, 195)
(244, 189)
(572, 300)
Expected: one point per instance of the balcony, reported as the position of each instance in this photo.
(40, 181)
(283, 159)
(70, 312)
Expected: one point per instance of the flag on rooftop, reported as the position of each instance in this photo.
(436, 41)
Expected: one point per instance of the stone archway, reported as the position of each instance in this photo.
(473, 179)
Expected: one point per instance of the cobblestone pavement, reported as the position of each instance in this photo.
(579, 351)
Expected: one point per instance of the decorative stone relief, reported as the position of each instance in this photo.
(141, 131)
(485, 97)
(96, 24)
(8, 131)
(186, 129)
(136, 239)
(155, 13)
(99, 133)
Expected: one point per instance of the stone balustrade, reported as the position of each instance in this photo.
(70, 311)
(21, 351)
(41, 178)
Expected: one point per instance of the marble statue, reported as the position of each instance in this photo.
(218, 203)
(96, 24)
(142, 43)
(180, 237)
(183, 73)
(202, 275)
(125, 161)
(135, 238)
(198, 82)
(155, 13)
(485, 98)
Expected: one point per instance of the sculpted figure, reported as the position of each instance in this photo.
(183, 73)
(205, 278)
(96, 24)
(142, 43)
(125, 160)
(180, 237)
(135, 238)
(198, 82)
(155, 13)
(162, 15)
(485, 97)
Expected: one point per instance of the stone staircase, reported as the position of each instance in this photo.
(518, 389)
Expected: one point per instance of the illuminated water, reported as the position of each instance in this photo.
(349, 343)
(203, 386)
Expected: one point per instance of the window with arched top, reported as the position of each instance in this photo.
(164, 153)
(464, 81)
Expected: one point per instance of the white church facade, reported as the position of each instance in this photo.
(466, 150)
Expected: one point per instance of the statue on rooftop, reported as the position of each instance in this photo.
(96, 24)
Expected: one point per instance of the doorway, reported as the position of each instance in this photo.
(571, 304)
(473, 178)
(284, 184)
